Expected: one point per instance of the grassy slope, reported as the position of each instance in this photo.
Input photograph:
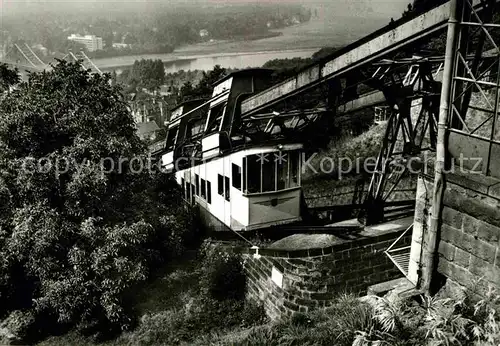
(348, 321)
(175, 310)
(366, 145)
(336, 325)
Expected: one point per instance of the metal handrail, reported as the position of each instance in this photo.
(391, 250)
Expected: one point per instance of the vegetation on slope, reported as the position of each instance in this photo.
(348, 154)
(388, 321)
(81, 224)
(455, 320)
(156, 28)
(190, 302)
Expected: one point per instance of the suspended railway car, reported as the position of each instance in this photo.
(246, 189)
(239, 181)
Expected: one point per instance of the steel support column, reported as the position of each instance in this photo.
(430, 239)
(392, 163)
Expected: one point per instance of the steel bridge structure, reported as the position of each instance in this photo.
(31, 62)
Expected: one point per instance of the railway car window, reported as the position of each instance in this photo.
(171, 138)
(203, 189)
(268, 175)
(216, 115)
(197, 182)
(196, 127)
(282, 171)
(209, 192)
(220, 185)
(253, 174)
(192, 192)
(236, 170)
(274, 172)
(244, 174)
(227, 189)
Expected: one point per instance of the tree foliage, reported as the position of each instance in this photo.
(204, 88)
(146, 73)
(418, 7)
(287, 68)
(76, 233)
(8, 77)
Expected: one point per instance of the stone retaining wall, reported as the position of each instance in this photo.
(469, 242)
(294, 281)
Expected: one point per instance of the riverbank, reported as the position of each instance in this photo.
(205, 61)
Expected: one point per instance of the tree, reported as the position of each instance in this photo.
(114, 78)
(420, 6)
(205, 87)
(323, 52)
(286, 68)
(186, 92)
(8, 77)
(146, 73)
(77, 231)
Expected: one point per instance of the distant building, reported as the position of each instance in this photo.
(165, 90)
(121, 45)
(204, 33)
(91, 42)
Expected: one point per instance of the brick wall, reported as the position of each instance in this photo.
(469, 241)
(312, 278)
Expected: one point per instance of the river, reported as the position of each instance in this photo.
(174, 62)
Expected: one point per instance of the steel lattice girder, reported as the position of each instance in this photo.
(480, 130)
(386, 177)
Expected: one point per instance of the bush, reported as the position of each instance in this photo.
(436, 321)
(19, 325)
(336, 325)
(347, 151)
(201, 317)
(197, 312)
(223, 276)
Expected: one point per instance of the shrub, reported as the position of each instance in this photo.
(200, 318)
(200, 311)
(436, 321)
(19, 325)
(341, 150)
(223, 276)
(336, 325)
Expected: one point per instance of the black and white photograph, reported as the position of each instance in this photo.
(250, 172)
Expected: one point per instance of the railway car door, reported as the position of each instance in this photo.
(227, 200)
